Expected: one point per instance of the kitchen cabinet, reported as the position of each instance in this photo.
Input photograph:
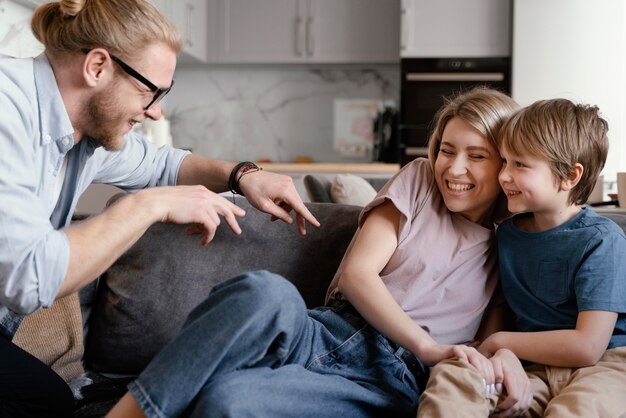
(191, 18)
(308, 31)
(455, 28)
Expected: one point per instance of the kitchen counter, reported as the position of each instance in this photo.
(371, 168)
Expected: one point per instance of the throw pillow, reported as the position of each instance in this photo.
(55, 336)
(316, 189)
(351, 190)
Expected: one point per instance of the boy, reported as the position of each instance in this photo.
(563, 274)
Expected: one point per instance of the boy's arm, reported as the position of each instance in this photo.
(579, 347)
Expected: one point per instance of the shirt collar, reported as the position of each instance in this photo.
(55, 124)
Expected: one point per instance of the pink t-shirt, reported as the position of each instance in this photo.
(445, 268)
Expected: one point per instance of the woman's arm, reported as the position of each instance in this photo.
(579, 347)
(360, 283)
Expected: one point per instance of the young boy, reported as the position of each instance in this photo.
(563, 273)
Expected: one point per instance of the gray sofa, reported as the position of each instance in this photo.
(141, 302)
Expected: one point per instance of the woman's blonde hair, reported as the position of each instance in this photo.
(485, 110)
(122, 27)
(482, 108)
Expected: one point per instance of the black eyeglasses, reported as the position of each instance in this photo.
(159, 93)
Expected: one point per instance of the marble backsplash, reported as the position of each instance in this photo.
(280, 113)
(246, 112)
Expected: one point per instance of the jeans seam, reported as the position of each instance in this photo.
(145, 400)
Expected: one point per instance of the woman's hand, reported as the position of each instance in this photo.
(276, 194)
(432, 354)
(510, 375)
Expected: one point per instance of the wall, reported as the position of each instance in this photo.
(574, 49)
(277, 112)
(245, 112)
(15, 36)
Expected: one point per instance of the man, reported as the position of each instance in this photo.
(67, 120)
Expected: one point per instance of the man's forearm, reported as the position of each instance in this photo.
(213, 174)
(97, 242)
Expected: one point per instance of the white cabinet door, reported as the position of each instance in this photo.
(163, 6)
(191, 18)
(267, 31)
(308, 31)
(353, 31)
(455, 28)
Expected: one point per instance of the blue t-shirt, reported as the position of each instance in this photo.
(549, 277)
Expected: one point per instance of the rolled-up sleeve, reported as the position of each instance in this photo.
(139, 164)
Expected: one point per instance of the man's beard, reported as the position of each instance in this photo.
(105, 115)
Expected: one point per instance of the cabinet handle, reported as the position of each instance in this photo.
(189, 24)
(455, 76)
(404, 28)
(299, 36)
(310, 37)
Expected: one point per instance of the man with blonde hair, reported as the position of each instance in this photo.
(67, 121)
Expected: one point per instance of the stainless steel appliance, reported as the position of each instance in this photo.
(427, 81)
(386, 146)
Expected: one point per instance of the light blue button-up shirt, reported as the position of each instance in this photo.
(36, 135)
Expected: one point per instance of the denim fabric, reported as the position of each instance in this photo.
(253, 349)
(9, 323)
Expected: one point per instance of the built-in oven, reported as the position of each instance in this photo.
(427, 81)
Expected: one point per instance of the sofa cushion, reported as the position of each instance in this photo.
(317, 188)
(352, 190)
(144, 298)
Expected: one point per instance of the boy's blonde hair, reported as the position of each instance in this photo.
(122, 27)
(563, 133)
(482, 108)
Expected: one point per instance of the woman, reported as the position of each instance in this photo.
(410, 291)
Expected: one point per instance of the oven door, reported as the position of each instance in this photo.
(425, 85)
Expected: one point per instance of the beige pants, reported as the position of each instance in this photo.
(455, 389)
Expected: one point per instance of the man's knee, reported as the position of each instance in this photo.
(55, 401)
(227, 396)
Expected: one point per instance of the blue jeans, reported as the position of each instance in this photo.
(252, 349)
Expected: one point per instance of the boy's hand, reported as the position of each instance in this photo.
(511, 376)
(489, 346)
